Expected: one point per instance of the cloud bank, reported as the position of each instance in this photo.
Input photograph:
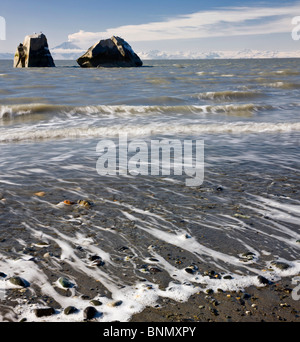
(234, 21)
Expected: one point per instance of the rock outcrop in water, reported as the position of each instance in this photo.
(113, 52)
(34, 52)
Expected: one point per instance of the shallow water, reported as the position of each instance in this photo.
(156, 237)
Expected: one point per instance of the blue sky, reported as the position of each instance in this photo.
(168, 25)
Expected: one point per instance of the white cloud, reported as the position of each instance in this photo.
(234, 21)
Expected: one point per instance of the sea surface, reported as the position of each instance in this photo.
(141, 239)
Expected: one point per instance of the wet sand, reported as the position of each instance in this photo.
(159, 240)
(272, 303)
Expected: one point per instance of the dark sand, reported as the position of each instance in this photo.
(272, 303)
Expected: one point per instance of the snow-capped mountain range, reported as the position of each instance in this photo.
(70, 51)
(247, 53)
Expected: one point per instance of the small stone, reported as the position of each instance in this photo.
(96, 302)
(2, 275)
(281, 265)
(209, 291)
(18, 281)
(241, 216)
(213, 311)
(154, 269)
(248, 256)
(246, 296)
(227, 277)
(70, 310)
(96, 260)
(84, 203)
(123, 248)
(89, 312)
(189, 270)
(65, 282)
(42, 244)
(263, 280)
(68, 202)
(153, 260)
(43, 312)
(40, 194)
(116, 303)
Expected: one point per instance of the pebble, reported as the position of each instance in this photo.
(115, 304)
(191, 269)
(70, 310)
(96, 302)
(40, 194)
(209, 291)
(154, 269)
(281, 265)
(213, 311)
(227, 277)
(2, 275)
(41, 244)
(89, 312)
(19, 281)
(84, 203)
(263, 280)
(68, 202)
(65, 282)
(96, 260)
(42, 312)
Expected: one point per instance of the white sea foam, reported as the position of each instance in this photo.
(148, 130)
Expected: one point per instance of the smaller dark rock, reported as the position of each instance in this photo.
(65, 282)
(189, 270)
(227, 277)
(123, 248)
(96, 302)
(263, 280)
(154, 269)
(94, 257)
(70, 310)
(213, 311)
(43, 312)
(18, 281)
(89, 312)
(281, 265)
(246, 296)
(2, 275)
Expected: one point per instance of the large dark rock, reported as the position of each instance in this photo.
(34, 52)
(113, 52)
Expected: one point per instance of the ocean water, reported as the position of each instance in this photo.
(145, 238)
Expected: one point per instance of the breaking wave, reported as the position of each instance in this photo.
(147, 130)
(228, 95)
(10, 112)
